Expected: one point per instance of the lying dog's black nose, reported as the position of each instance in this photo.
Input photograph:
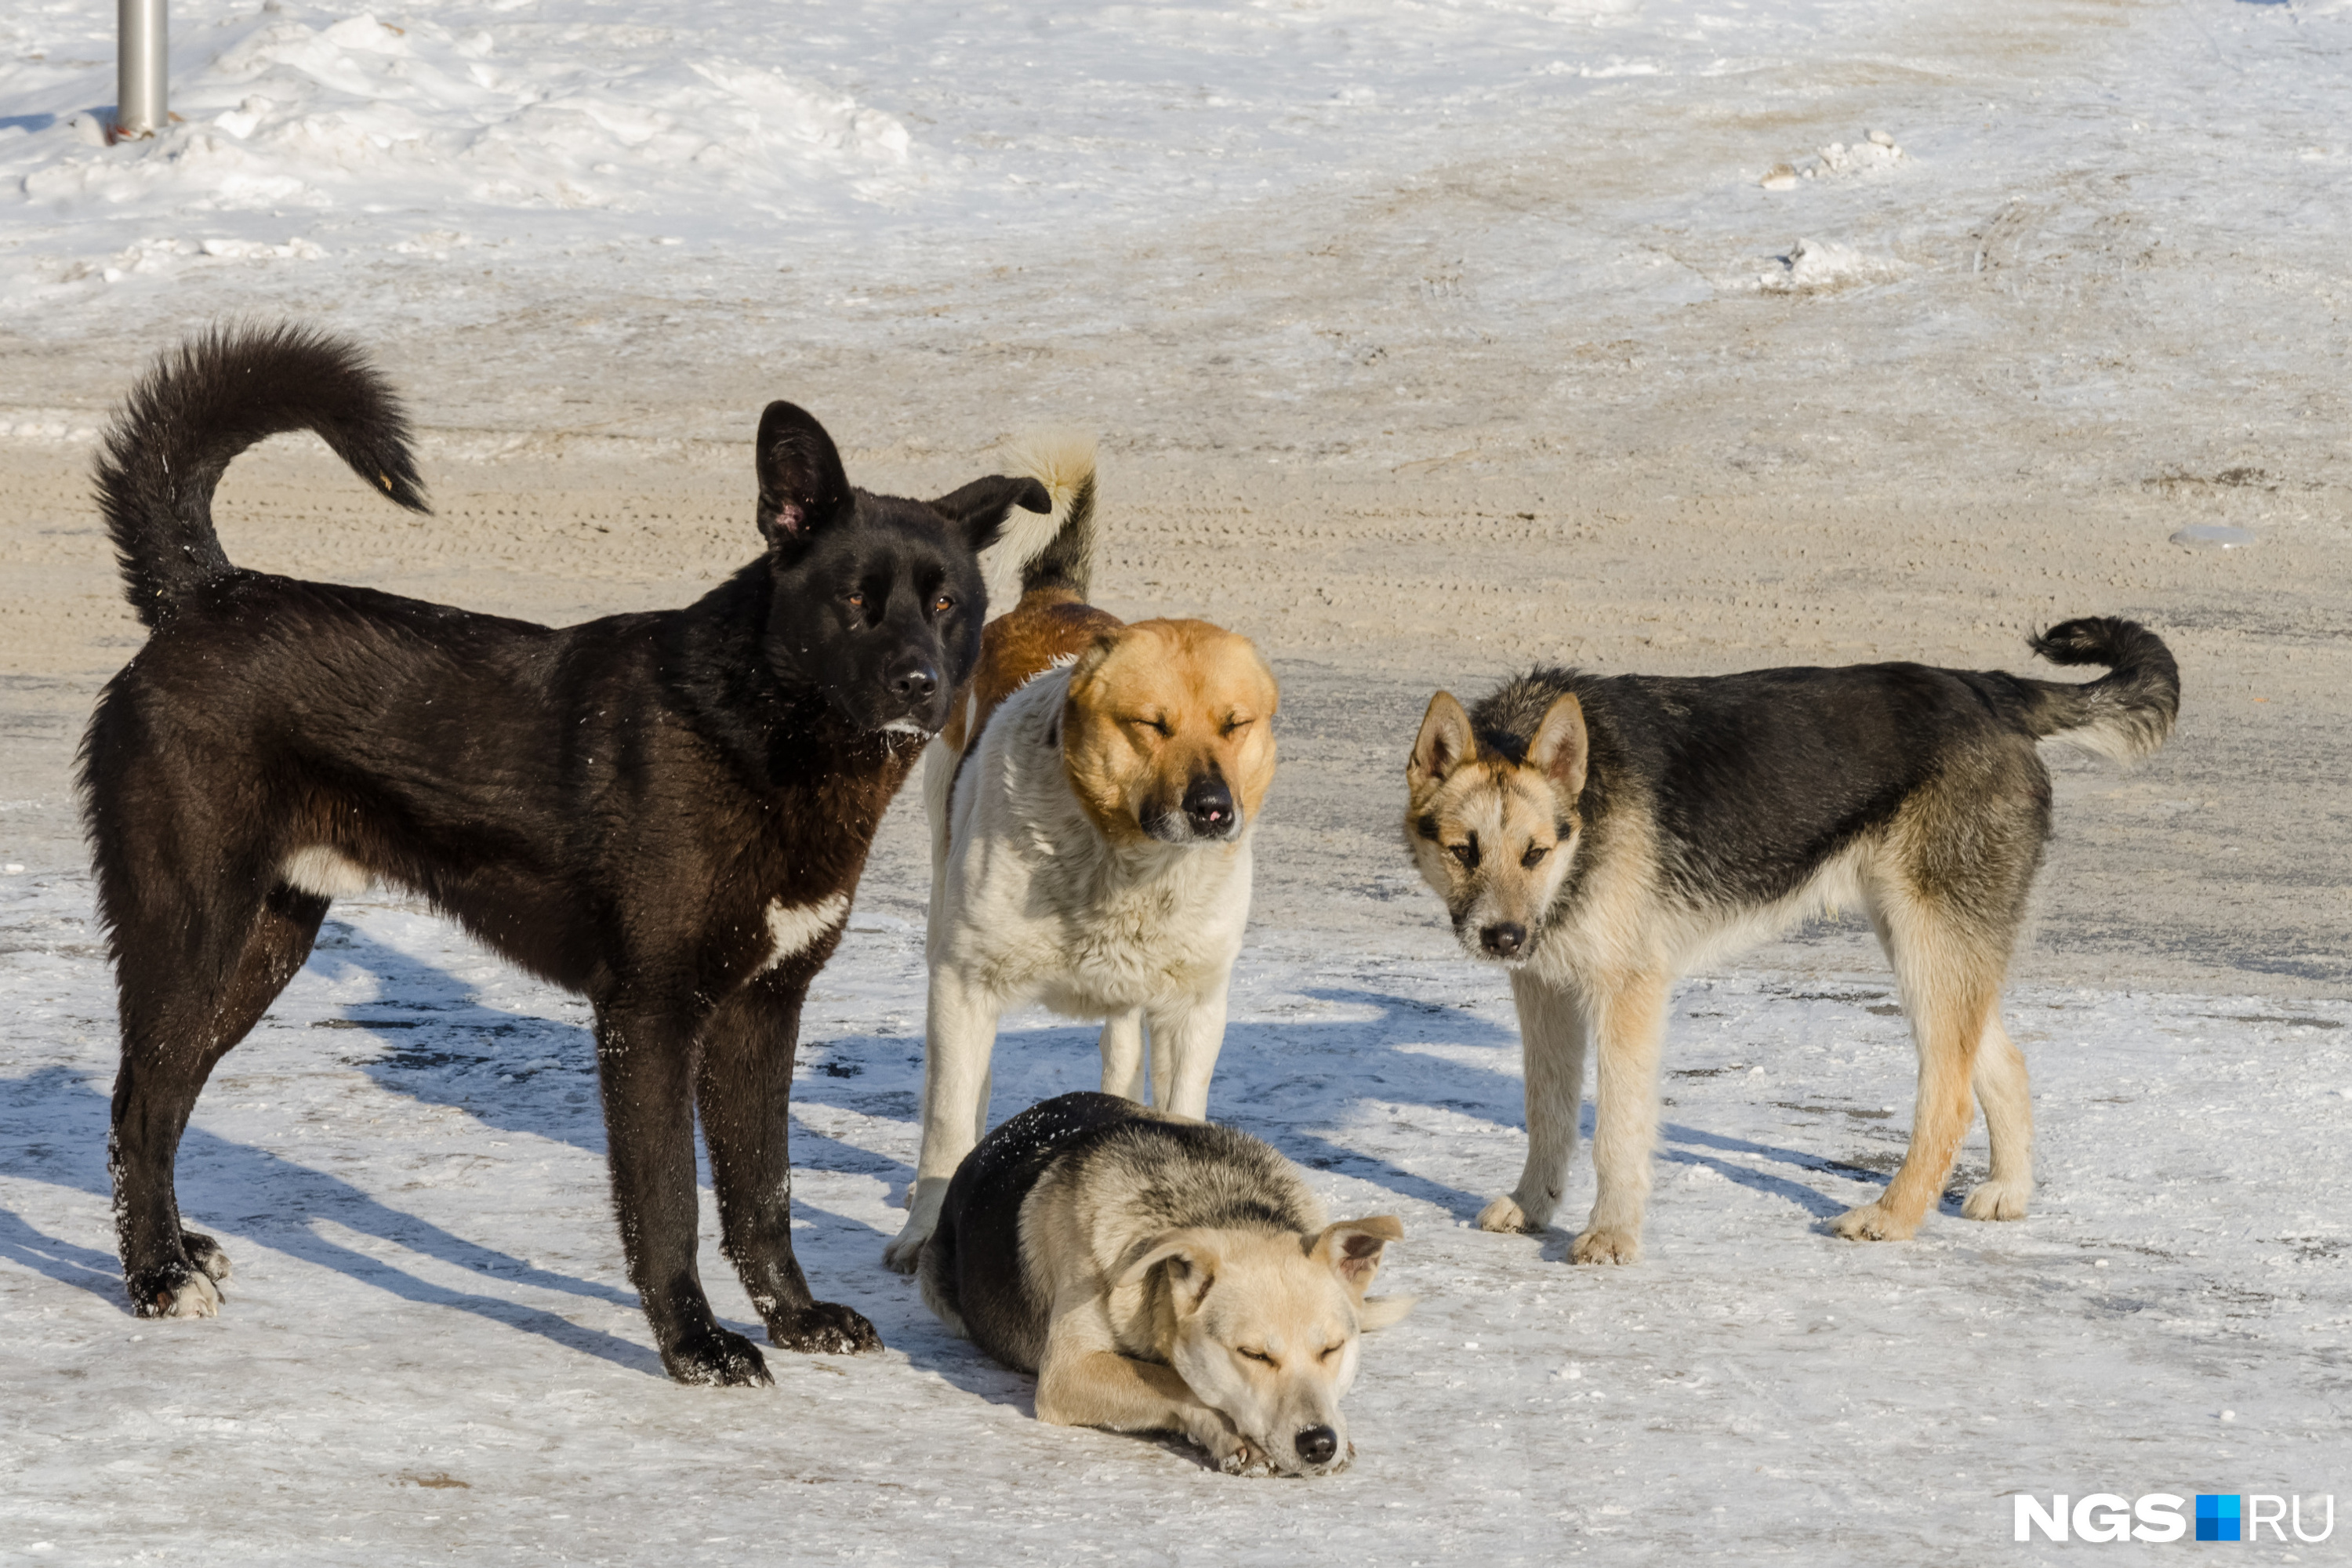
(1317, 1444)
(1503, 940)
(915, 683)
(1209, 807)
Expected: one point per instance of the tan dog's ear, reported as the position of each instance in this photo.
(1351, 1248)
(1560, 747)
(1191, 1263)
(1101, 648)
(1445, 742)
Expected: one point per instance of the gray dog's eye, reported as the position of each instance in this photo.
(1534, 857)
(1467, 853)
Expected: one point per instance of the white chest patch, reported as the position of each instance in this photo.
(796, 928)
(323, 873)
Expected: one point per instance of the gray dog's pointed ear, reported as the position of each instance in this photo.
(978, 509)
(1560, 747)
(1444, 744)
(803, 486)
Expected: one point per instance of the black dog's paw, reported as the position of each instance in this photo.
(822, 1328)
(717, 1358)
(176, 1289)
(205, 1254)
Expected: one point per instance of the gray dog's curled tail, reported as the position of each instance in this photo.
(2125, 714)
(208, 400)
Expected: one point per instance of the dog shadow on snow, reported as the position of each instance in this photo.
(425, 1038)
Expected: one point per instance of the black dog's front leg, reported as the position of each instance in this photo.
(644, 1065)
(743, 1085)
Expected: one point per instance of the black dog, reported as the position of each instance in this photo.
(667, 812)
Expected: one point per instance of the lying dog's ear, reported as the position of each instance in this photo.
(803, 486)
(1560, 747)
(978, 509)
(1190, 1259)
(1444, 744)
(1351, 1248)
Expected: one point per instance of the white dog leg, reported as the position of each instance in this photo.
(958, 1034)
(1553, 1046)
(1186, 1037)
(2002, 1089)
(1122, 1056)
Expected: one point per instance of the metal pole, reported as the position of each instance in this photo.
(142, 72)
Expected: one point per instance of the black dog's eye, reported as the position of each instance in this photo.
(941, 605)
(857, 601)
(1534, 857)
(1467, 853)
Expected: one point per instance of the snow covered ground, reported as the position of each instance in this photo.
(1463, 259)
(430, 1347)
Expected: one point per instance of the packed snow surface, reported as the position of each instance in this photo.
(429, 1345)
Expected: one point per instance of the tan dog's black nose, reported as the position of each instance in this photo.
(1503, 940)
(1317, 1444)
(1209, 807)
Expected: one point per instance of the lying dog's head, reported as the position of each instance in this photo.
(1167, 732)
(875, 600)
(1263, 1328)
(1494, 834)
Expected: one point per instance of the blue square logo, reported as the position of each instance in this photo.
(2217, 1516)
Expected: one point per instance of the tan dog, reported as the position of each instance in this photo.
(1601, 836)
(1091, 805)
(1162, 1274)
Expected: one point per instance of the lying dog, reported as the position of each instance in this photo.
(1160, 1274)
(1091, 805)
(1599, 837)
(665, 812)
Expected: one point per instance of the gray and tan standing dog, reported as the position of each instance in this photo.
(1161, 1274)
(1092, 803)
(1601, 836)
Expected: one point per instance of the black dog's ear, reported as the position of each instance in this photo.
(803, 486)
(979, 508)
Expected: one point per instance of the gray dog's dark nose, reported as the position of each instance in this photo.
(1209, 807)
(1317, 1444)
(1503, 940)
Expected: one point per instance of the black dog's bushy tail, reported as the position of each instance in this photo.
(2125, 714)
(203, 404)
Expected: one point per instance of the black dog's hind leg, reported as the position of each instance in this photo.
(644, 1066)
(175, 1027)
(743, 1085)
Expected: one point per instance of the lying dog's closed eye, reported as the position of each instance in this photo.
(1160, 1274)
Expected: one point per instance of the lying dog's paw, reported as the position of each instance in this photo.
(1505, 1217)
(904, 1254)
(1872, 1222)
(716, 1358)
(1246, 1460)
(1997, 1200)
(822, 1328)
(1605, 1244)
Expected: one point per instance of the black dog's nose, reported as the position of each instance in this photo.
(916, 683)
(1209, 807)
(1317, 1444)
(1503, 940)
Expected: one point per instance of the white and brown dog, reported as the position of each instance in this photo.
(1091, 803)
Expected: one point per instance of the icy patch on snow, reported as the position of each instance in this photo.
(1822, 266)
